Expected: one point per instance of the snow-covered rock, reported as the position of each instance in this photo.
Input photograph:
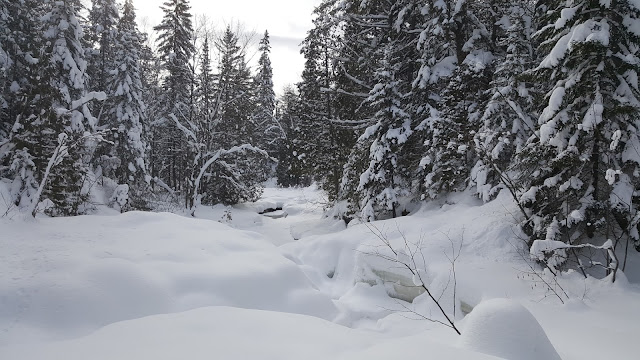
(506, 329)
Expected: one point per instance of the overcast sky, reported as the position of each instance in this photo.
(286, 20)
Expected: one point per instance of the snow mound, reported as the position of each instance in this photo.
(65, 277)
(206, 333)
(505, 328)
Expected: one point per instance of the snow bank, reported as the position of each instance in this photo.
(206, 333)
(506, 329)
(68, 276)
(161, 286)
(358, 253)
(231, 333)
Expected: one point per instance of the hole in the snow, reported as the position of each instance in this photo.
(270, 210)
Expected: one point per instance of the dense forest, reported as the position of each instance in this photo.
(400, 102)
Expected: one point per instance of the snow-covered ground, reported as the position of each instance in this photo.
(236, 284)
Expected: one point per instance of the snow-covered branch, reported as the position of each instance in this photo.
(215, 156)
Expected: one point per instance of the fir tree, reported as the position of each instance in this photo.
(269, 132)
(327, 144)
(59, 107)
(5, 64)
(583, 162)
(101, 36)
(234, 88)
(21, 39)
(507, 121)
(173, 158)
(387, 178)
(450, 153)
(207, 97)
(290, 170)
(238, 174)
(128, 110)
(379, 184)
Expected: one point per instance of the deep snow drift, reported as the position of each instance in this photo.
(235, 284)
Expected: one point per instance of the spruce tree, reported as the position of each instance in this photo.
(328, 143)
(5, 64)
(269, 132)
(290, 170)
(387, 178)
(20, 37)
(20, 43)
(101, 35)
(206, 97)
(238, 174)
(583, 159)
(508, 118)
(172, 156)
(128, 111)
(234, 88)
(58, 106)
(150, 70)
(450, 154)
(380, 183)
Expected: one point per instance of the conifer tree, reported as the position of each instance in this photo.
(450, 152)
(387, 179)
(380, 183)
(328, 143)
(238, 174)
(508, 119)
(172, 156)
(101, 36)
(58, 106)
(583, 162)
(128, 111)
(150, 71)
(290, 170)
(5, 64)
(269, 132)
(20, 37)
(234, 90)
(207, 97)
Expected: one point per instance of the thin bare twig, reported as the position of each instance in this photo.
(410, 265)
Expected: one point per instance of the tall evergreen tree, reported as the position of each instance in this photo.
(239, 172)
(150, 71)
(128, 111)
(20, 36)
(234, 86)
(450, 154)
(380, 184)
(269, 133)
(101, 35)
(508, 119)
(290, 170)
(584, 163)
(206, 96)
(5, 64)
(386, 179)
(20, 39)
(172, 158)
(58, 111)
(328, 144)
